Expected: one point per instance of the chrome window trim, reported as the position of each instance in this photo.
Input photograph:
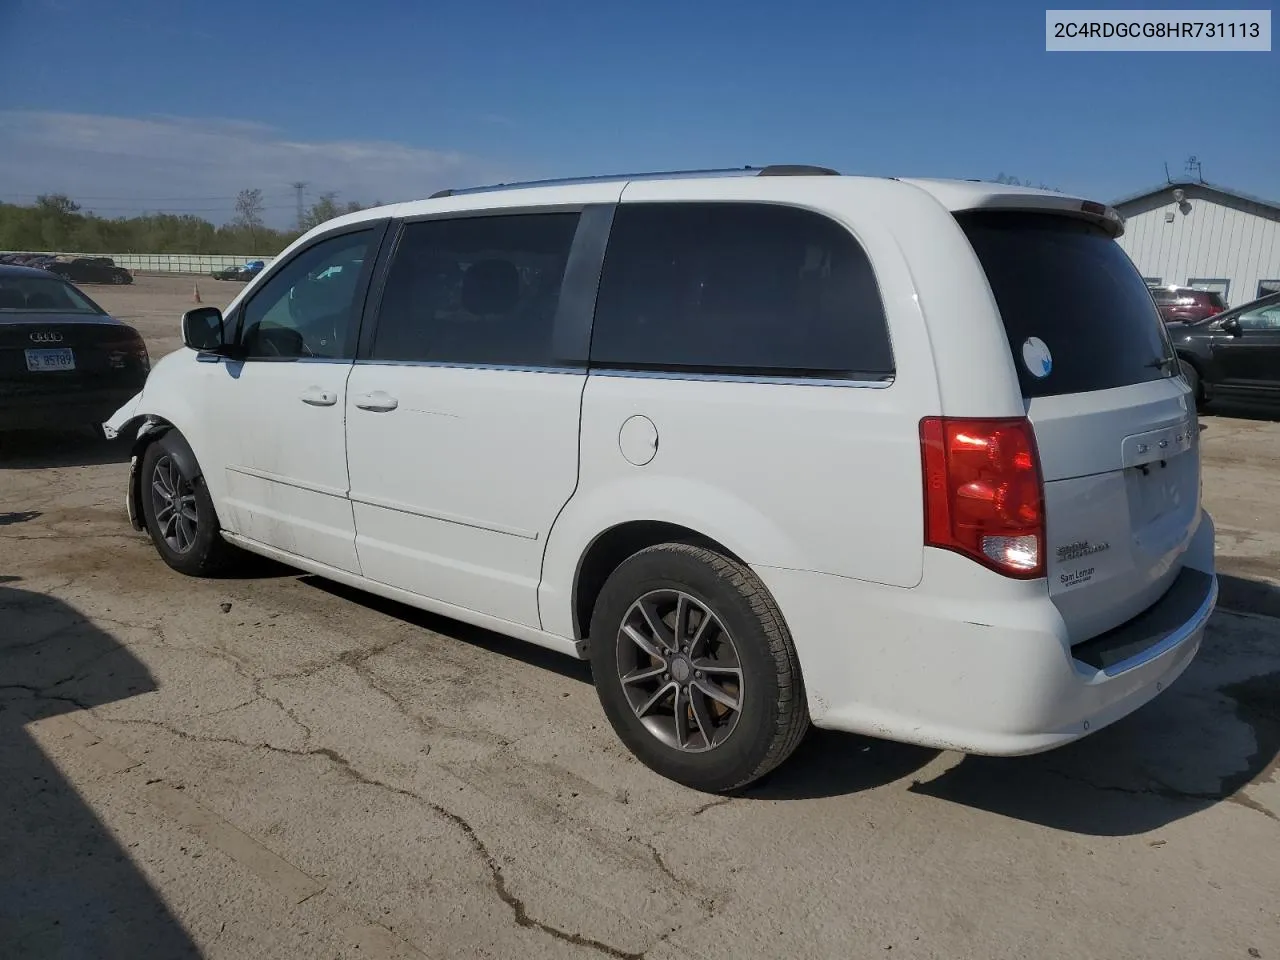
(782, 379)
(464, 365)
(632, 374)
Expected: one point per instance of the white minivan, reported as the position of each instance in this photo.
(906, 458)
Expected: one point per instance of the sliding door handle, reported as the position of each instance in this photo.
(378, 402)
(318, 398)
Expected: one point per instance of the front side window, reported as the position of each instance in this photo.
(1261, 318)
(738, 288)
(476, 290)
(310, 307)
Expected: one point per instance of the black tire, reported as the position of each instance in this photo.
(1193, 380)
(773, 715)
(203, 553)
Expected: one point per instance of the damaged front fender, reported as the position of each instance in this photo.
(122, 417)
(125, 422)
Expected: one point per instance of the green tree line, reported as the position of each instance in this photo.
(56, 223)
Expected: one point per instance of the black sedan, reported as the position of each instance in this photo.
(1234, 355)
(90, 270)
(64, 362)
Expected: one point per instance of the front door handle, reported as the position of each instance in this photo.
(379, 402)
(318, 398)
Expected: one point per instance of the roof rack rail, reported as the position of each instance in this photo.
(774, 170)
(797, 170)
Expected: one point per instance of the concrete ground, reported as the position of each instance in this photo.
(273, 766)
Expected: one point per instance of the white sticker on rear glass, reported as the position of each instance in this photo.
(1036, 357)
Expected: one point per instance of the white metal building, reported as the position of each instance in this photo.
(1197, 234)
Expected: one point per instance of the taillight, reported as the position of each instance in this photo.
(120, 352)
(983, 494)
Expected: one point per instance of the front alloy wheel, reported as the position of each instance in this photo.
(173, 504)
(178, 511)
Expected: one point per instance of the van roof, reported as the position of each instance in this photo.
(954, 195)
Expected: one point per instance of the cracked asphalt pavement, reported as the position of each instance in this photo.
(275, 766)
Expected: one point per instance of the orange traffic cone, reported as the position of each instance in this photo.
(195, 293)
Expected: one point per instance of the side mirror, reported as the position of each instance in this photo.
(1232, 327)
(203, 329)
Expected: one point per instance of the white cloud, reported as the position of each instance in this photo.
(120, 165)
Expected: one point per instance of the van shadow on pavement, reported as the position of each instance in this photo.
(67, 888)
(1198, 744)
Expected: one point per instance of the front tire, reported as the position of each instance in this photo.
(179, 515)
(695, 668)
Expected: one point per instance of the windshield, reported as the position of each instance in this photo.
(1074, 306)
(30, 294)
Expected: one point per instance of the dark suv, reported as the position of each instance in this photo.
(1234, 355)
(1185, 305)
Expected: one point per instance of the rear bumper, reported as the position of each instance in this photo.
(69, 407)
(984, 667)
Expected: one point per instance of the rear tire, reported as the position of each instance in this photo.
(179, 515)
(695, 668)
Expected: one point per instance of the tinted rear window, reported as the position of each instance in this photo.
(1065, 283)
(34, 294)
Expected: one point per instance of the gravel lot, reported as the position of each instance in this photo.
(274, 766)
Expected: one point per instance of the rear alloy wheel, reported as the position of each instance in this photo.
(680, 670)
(695, 668)
(179, 514)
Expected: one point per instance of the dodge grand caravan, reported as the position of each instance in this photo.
(906, 458)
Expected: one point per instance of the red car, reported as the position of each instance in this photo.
(1185, 305)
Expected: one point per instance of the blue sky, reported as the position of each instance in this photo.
(164, 105)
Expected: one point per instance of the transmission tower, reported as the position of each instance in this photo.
(299, 186)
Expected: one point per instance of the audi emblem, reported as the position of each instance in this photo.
(46, 336)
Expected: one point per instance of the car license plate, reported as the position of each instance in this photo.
(39, 361)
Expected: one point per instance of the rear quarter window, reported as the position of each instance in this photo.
(738, 288)
(1065, 283)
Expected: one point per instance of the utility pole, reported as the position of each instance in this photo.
(299, 186)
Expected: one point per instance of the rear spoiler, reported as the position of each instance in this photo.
(961, 195)
(1099, 213)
